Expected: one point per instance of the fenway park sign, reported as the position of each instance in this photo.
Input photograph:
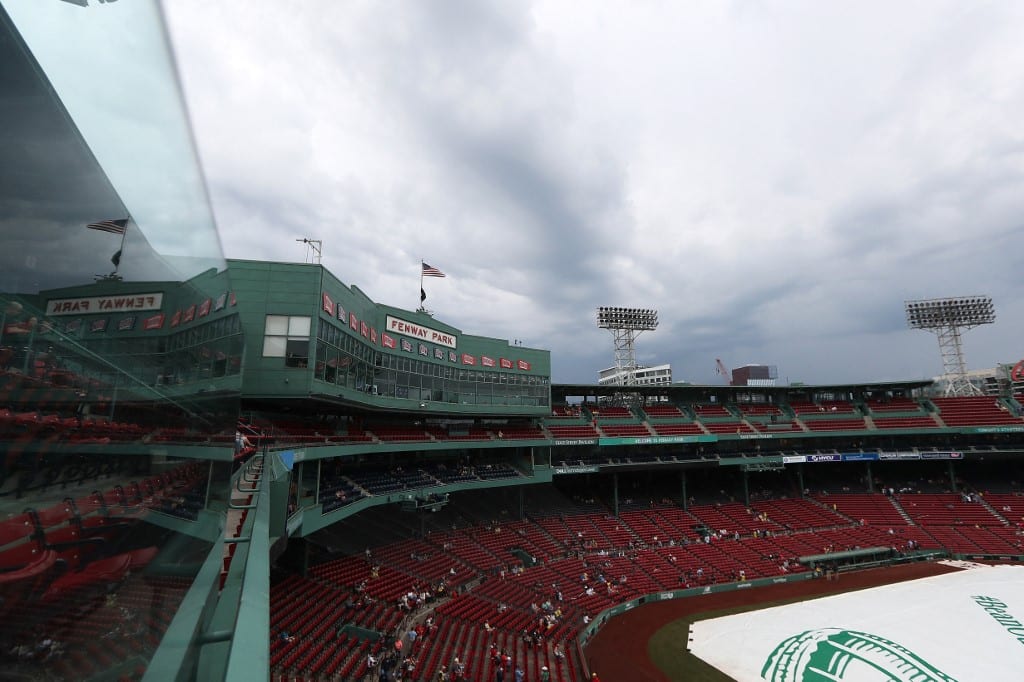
(397, 325)
(104, 304)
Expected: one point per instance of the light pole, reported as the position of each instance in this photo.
(946, 318)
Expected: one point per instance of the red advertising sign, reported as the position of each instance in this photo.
(153, 322)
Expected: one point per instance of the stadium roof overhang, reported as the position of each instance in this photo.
(690, 392)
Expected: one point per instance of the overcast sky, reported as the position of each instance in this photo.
(776, 178)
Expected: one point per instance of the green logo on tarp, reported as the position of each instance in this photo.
(831, 654)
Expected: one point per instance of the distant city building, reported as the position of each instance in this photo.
(755, 375)
(642, 376)
(994, 381)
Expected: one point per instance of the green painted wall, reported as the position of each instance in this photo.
(267, 288)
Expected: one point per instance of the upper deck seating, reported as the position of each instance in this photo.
(776, 426)
(678, 428)
(611, 412)
(663, 411)
(824, 408)
(849, 424)
(625, 430)
(578, 431)
(732, 426)
(880, 405)
(922, 422)
(520, 432)
(759, 409)
(975, 411)
(711, 410)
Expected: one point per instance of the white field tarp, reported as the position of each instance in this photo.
(966, 626)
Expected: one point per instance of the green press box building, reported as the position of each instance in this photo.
(311, 335)
(307, 336)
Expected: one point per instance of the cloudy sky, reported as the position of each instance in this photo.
(776, 178)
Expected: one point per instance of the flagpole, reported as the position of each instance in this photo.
(421, 284)
(120, 251)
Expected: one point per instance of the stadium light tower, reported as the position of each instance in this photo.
(626, 324)
(946, 317)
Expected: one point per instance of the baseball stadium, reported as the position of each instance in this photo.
(226, 469)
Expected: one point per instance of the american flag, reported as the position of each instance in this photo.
(112, 226)
(431, 271)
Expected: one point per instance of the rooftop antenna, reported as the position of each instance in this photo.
(313, 250)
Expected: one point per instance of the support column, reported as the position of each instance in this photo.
(871, 479)
(746, 487)
(615, 494)
(522, 503)
(952, 477)
(800, 479)
(682, 480)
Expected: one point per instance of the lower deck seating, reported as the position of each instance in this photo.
(946, 509)
(587, 562)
